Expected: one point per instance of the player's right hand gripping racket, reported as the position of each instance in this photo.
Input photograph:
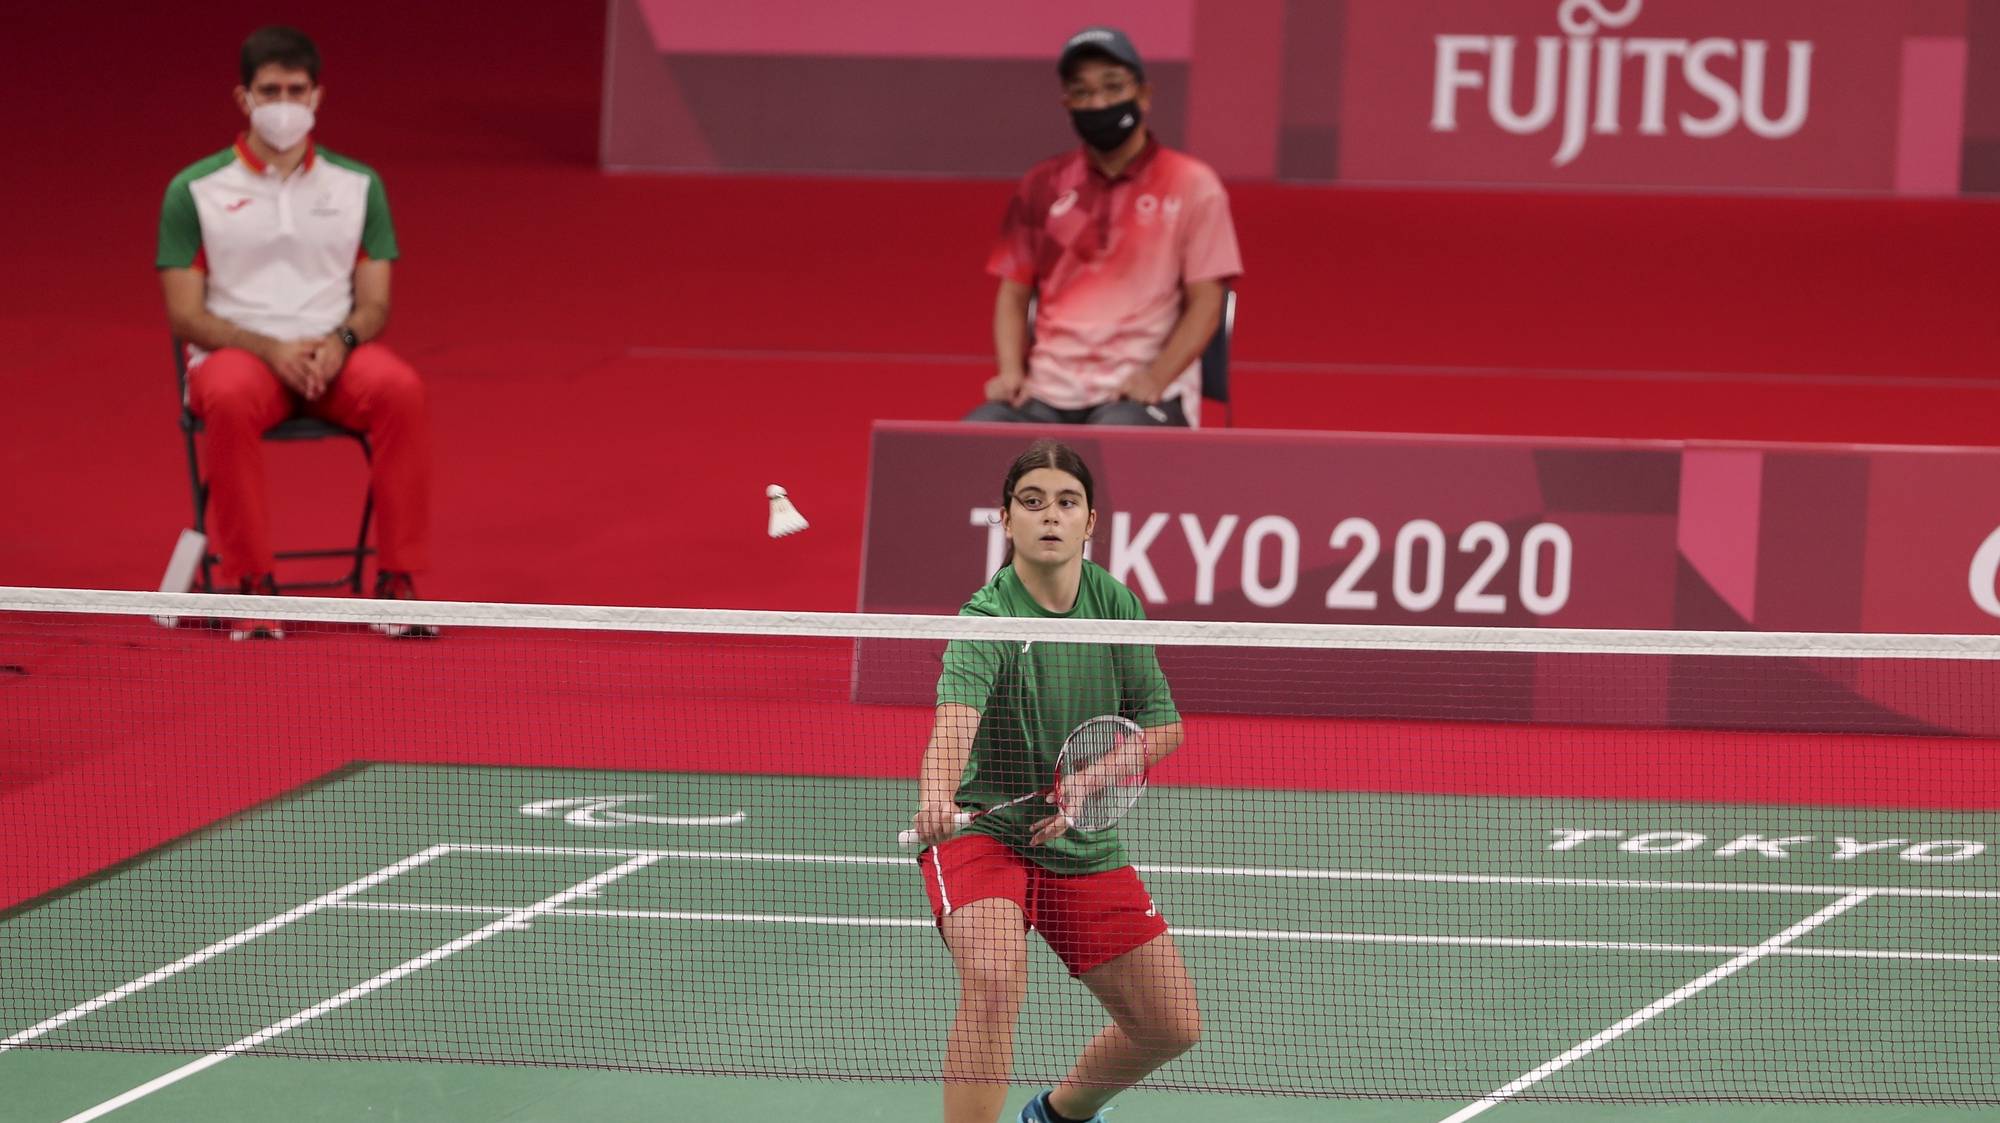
(1089, 800)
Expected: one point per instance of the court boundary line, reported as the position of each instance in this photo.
(640, 858)
(1282, 935)
(1652, 1010)
(341, 896)
(226, 944)
(516, 920)
(1271, 872)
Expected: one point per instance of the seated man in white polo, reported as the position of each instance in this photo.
(1127, 246)
(274, 258)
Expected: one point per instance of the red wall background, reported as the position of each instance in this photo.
(620, 363)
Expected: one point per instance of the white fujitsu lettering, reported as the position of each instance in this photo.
(1578, 97)
(1704, 82)
(1798, 87)
(1572, 17)
(1610, 52)
(1562, 84)
(1653, 84)
(1500, 89)
(1449, 79)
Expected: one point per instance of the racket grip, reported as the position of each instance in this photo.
(908, 838)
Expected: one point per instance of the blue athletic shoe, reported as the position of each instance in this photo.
(1038, 1110)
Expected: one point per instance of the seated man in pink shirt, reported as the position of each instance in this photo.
(1129, 248)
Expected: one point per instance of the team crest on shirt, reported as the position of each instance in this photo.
(1150, 206)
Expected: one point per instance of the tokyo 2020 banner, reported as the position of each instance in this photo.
(1754, 95)
(1357, 529)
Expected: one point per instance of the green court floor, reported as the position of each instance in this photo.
(617, 940)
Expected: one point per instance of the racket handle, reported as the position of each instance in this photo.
(908, 838)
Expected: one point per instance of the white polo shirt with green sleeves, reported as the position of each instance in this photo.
(279, 251)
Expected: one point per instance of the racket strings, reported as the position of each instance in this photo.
(1097, 783)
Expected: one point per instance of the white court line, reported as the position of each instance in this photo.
(1277, 872)
(660, 914)
(518, 919)
(1573, 882)
(340, 897)
(193, 959)
(1274, 934)
(1640, 1017)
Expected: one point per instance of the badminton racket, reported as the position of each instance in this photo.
(1094, 785)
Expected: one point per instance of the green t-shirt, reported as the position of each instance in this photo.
(1030, 695)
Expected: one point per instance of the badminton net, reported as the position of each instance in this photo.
(1397, 862)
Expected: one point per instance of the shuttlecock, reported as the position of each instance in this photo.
(785, 518)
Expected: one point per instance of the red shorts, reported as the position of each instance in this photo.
(1088, 919)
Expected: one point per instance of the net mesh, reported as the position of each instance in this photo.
(1534, 865)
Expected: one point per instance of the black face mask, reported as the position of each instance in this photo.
(1107, 128)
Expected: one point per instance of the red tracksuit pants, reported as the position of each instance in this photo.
(237, 397)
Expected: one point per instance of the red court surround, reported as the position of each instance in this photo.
(618, 365)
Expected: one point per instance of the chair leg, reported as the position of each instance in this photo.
(199, 490)
(367, 514)
(359, 553)
(361, 541)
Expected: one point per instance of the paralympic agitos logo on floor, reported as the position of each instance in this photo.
(600, 812)
(1580, 77)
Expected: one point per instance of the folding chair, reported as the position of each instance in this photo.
(290, 429)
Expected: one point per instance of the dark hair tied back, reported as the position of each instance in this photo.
(1049, 454)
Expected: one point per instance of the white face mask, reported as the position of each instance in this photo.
(282, 124)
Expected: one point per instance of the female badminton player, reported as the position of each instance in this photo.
(1004, 711)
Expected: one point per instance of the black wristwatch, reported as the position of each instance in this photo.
(347, 338)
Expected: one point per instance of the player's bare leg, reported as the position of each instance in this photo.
(989, 946)
(1155, 1017)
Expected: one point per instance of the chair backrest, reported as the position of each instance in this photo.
(1215, 357)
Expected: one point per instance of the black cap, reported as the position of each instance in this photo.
(1102, 42)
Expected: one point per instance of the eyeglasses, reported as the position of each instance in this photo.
(1035, 500)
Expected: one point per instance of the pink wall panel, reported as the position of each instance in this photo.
(1932, 119)
(1781, 95)
(910, 28)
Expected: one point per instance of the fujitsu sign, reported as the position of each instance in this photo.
(1580, 77)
